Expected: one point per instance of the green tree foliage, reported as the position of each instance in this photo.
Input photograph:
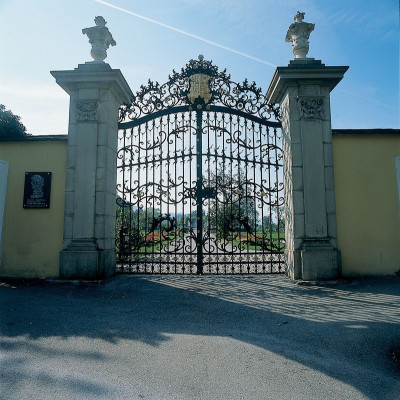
(146, 217)
(234, 211)
(277, 223)
(133, 218)
(190, 220)
(10, 125)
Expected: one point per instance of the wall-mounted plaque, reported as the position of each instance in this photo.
(37, 189)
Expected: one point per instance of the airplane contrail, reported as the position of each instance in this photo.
(187, 33)
(240, 53)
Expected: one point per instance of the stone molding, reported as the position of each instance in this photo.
(285, 111)
(311, 107)
(87, 110)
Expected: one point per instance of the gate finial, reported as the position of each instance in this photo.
(298, 33)
(100, 38)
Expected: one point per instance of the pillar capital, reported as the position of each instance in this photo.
(303, 72)
(94, 75)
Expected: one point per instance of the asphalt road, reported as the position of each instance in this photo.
(192, 337)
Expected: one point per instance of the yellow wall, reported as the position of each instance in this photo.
(367, 203)
(32, 238)
(367, 206)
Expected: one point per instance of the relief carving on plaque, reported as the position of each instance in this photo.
(87, 110)
(311, 107)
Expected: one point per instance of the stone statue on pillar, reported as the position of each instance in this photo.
(100, 38)
(299, 33)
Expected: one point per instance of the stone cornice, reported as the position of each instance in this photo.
(312, 71)
(95, 75)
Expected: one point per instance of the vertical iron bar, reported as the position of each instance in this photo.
(240, 133)
(278, 217)
(138, 237)
(232, 259)
(215, 183)
(254, 189)
(246, 213)
(199, 236)
(262, 196)
(183, 258)
(124, 211)
(153, 164)
(168, 191)
(176, 127)
(191, 187)
(271, 236)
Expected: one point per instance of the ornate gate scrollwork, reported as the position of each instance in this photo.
(199, 177)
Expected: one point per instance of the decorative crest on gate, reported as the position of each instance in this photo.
(199, 84)
(199, 88)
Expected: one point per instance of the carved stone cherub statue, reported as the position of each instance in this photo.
(298, 33)
(100, 38)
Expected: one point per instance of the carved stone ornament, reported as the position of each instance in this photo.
(199, 87)
(100, 38)
(87, 110)
(311, 107)
(298, 34)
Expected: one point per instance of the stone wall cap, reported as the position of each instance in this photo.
(377, 131)
(36, 138)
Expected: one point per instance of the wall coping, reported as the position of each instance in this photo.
(376, 132)
(61, 138)
(36, 138)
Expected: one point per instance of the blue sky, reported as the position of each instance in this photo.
(44, 35)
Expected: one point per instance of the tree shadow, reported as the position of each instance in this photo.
(344, 331)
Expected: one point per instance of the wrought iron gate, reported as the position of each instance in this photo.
(199, 177)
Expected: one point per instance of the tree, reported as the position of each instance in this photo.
(266, 222)
(234, 211)
(10, 125)
(190, 220)
(281, 222)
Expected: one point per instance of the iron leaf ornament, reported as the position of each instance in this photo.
(199, 85)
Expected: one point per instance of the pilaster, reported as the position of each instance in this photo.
(303, 91)
(96, 92)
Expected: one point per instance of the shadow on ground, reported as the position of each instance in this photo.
(344, 331)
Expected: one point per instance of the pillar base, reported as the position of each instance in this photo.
(315, 261)
(82, 260)
(319, 261)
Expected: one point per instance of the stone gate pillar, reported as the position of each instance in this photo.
(96, 92)
(303, 91)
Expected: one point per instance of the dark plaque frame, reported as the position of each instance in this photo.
(37, 189)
